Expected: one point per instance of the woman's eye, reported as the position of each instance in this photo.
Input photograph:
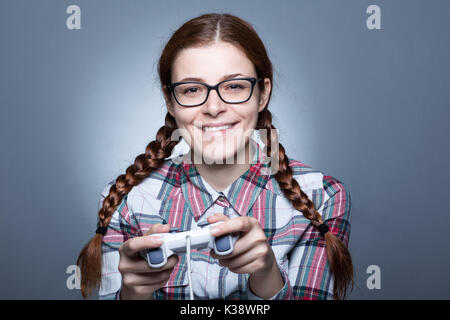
(190, 90)
(234, 86)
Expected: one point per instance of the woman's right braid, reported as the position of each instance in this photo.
(144, 164)
(156, 151)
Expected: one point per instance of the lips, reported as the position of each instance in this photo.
(209, 132)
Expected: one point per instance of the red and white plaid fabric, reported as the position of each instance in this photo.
(177, 195)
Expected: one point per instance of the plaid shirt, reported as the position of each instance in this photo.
(177, 195)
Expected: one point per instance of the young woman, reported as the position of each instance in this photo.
(293, 222)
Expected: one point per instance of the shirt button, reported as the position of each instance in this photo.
(221, 198)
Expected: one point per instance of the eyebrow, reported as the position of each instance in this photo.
(229, 76)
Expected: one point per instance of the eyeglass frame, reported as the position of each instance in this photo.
(216, 87)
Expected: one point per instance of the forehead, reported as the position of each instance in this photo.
(210, 63)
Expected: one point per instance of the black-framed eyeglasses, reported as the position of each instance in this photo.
(193, 93)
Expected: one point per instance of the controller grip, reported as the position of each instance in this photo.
(223, 245)
(156, 258)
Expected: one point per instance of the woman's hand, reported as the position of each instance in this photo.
(139, 280)
(252, 254)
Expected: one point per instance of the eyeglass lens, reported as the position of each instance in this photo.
(232, 91)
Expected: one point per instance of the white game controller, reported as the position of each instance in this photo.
(175, 243)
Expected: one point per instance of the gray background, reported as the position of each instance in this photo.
(369, 107)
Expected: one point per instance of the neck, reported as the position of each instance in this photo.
(220, 176)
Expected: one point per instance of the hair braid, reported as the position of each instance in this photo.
(338, 255)
(156, 151)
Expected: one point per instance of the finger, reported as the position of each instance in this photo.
(142, 266)
(134, 266)
(131, 247)
(171, 263)
(240, 224)
(239, 261)
(158, 228)
(250, 240)
(240, 247)
(247, 268)
(142, 279)
(245, 243)
(217, 217)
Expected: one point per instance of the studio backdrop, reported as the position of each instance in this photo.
(360, 93)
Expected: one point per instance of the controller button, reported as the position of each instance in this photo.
(223, 243)
(156, 256)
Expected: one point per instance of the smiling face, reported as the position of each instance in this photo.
(212, 64)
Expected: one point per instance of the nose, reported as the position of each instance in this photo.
(214, 105)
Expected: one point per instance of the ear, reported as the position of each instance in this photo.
(170, 108)
(264, 95)
(169, 104)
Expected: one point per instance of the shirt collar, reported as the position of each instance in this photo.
(241, 194)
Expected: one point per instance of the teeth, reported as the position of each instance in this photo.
(216, 128)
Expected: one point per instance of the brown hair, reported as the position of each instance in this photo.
(199, 31)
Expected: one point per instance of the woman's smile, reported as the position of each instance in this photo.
(220, 129)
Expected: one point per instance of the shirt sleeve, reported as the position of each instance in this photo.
(309, 271)
(120, 229)
(285, 293)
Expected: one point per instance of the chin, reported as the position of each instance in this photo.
(218, 156)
